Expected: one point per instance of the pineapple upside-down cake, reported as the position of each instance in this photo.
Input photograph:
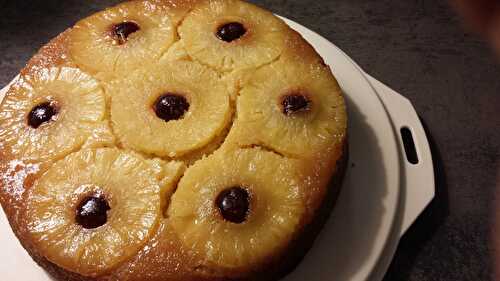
(172, 140)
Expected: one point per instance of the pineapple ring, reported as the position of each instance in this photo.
(138, 126)
(265, 114)
(262, 42)
(275, 208)
(80, 112)
(130, 186)
(96, 49)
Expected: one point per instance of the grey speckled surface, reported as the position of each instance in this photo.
(417, 47)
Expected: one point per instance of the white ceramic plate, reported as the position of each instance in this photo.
(357, 234)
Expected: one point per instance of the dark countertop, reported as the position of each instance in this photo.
(419, 48)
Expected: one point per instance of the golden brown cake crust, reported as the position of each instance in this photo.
(165, 256)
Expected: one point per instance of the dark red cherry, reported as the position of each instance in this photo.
(170, 107)
(294, 103)
(233, 204)
(41, 113)
(92, 212)
(231, 31)
(122, 31)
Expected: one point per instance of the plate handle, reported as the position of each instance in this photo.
(417, 170)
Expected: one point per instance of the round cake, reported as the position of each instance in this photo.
(172, 140)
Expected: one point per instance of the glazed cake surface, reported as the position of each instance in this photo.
(172, 140)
